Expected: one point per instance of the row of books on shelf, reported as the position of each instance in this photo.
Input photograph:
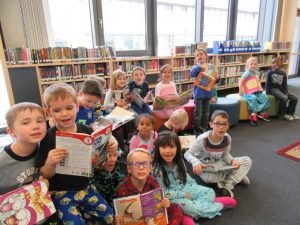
(188, 49)
(76, 71)
(148, 65)
(182, 63)
(180, 76)
(234, 46)
(277, 45)
(231, 71)
(57, 54)
(231, 59)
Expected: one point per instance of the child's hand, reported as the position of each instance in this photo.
(112, 144)
(216, 75)
(165, 203)
(188, 196)
(213, 99)
(41, 178)
(235, 164)
(197, 169)
(56, 155)
(119, 220)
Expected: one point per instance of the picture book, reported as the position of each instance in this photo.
(251, 85)
(217, 167)
(205, 79)
(169, 102)
(85, 152)
(119, 117)
(28, 205)
(186, 141)
(142, 209)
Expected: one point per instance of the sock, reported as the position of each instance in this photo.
(187, 220)
(227, 202)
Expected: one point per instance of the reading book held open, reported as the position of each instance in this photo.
(205, 79)
(186, 141)
(251, 85)
(217, 167)
(27, 205)
(142, 209)
(119, 116)
(86, 152)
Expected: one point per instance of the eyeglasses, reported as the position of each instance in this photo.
(221, 124)
(144, 164)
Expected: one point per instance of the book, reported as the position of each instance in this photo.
(86, 152)
(251, 85)
(142, 209)
(186, 141)
(163, 102)
(217, 167)
(119, 117)
(27, 205)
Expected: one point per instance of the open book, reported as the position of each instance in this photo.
(217, 167)
(27, 205)
(142, 209)
(86, 152)
(251, 85)
(186, 141)
(168, 102)
(118, 117)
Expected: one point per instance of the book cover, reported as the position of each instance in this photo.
(86, 152)
(251, 85)
(217, 167)
(186, 141)
(142, 209)
(27, 205)
(168, 102)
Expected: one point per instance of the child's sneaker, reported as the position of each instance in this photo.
(227, 202)
(264, 116)
(253, 119)
(226, 192)
(245, 181)
(295, 117)
(288, 117)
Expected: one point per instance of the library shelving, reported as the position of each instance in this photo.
(30, 80)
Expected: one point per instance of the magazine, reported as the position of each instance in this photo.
(86, 152)
(168, 102)
(118, 117)
(217, 167)
(27, 205)
(186, 141)
(142, 209)
(251, 85)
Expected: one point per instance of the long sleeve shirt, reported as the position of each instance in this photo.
(276, 79)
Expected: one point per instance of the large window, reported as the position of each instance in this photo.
(124, 24)
(68, 23)
(215, 21)
(247, 20)
(175, 24)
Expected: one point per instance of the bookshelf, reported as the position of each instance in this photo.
(28, 81)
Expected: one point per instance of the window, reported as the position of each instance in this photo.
(68, 23)
(124, 24)
(175, 24)
(215, 21)
(247, 20)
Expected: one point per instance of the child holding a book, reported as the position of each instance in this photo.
(202, 95)
(115, 96)
(26, 123)
(68, 191)
(166, 90)
(177, 122)
(276, 84)
(146, 135)
(139, 180)
(139, 92)
(212, 149)
(251, 90)
(169, 170)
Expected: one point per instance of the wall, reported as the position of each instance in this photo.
(11, 22)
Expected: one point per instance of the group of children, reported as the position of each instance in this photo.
(155, 158)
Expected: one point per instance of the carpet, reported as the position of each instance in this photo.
(291, 151)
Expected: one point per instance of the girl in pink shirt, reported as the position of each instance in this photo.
(146, 135)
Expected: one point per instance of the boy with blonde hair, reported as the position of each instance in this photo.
(139, 180)
(177, 122)
(26, 123)
(68, 191)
